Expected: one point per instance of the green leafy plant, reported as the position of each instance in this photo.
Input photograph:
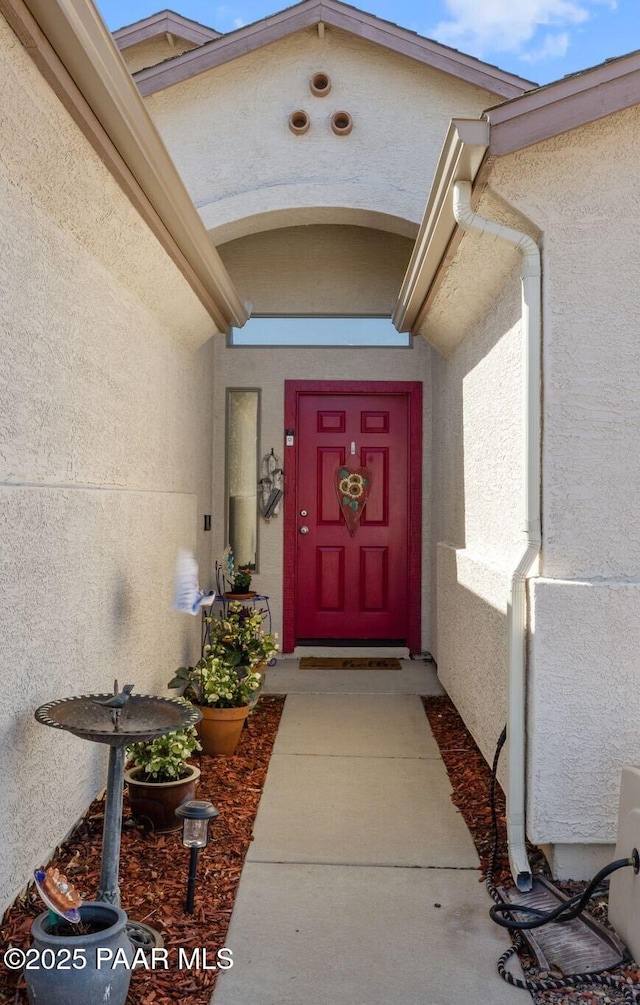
(164, 759)
(226, 675)
(238, 580)
(242, 580)
(211, 682)
(239, 639)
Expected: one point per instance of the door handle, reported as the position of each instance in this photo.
(304, 529)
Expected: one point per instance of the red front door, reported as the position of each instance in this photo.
(352, 587)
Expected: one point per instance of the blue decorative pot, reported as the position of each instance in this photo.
(68, 969)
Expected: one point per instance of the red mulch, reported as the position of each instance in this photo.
(470, 778)
(153, 872)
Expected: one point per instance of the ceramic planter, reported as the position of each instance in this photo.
(79, 975)
(220, 728)
(156, 802)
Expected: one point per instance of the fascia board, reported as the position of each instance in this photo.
(85, 47)
(159, 24)
(464, 149)
(424, 50)
(224, 49)
(359, 23)
(565, 104)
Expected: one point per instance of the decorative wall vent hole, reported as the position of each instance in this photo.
(320, 85)
(341, 123)
(299, 122)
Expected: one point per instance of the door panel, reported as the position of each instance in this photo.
(327, 506)
(352, 587)
(330, 579)
(374, 579)
(376, 512)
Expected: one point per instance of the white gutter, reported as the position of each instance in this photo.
(462, 153)
(517, 604)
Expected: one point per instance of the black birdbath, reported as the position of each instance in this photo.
(119, 719)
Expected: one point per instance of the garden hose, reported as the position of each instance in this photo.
(570, 909)
(502, 913)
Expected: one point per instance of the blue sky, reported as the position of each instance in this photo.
(538, 39)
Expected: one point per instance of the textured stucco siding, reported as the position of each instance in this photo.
(78, 568)
(576, 192)
(477, 477)
(105, 457)
(227, 130)
(581, 190)
(472, 640)
(319, 269)
(268, 369)
(583, 707)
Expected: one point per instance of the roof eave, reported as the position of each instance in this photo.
(334, 14)
(565, 104)
(506, 128)
(464, 149)
(75, 51)
(166, 21)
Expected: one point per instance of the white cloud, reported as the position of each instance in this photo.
(552, 47)
(479, 26)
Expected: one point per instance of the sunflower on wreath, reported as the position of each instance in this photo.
(352, 486)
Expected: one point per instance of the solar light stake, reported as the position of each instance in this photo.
(196, 814)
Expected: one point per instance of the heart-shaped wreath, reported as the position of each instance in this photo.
(353, 489)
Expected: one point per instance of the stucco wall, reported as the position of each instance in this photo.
(580, 189)
(583, 707)
(105, 457)
(268, 369)
(584, 702)
(227, 130)
(477, 474)
(319, 269)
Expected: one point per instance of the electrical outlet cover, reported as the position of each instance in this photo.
(624, 890)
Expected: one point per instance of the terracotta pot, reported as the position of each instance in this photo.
(220, 728)
(240, 596)
(156, 802)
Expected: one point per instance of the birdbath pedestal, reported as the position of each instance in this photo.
(97, 717)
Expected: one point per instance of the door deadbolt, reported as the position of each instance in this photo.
(304, 512)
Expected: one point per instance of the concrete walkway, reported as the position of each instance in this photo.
(361, 886)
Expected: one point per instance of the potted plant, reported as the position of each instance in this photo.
(238, 580)
(160, 778)
(226, 682)
(241, 584)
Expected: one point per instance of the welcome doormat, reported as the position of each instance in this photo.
(348, 663)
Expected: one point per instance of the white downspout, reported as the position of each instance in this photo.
(517, 604)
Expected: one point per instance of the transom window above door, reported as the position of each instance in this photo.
(319, 331)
